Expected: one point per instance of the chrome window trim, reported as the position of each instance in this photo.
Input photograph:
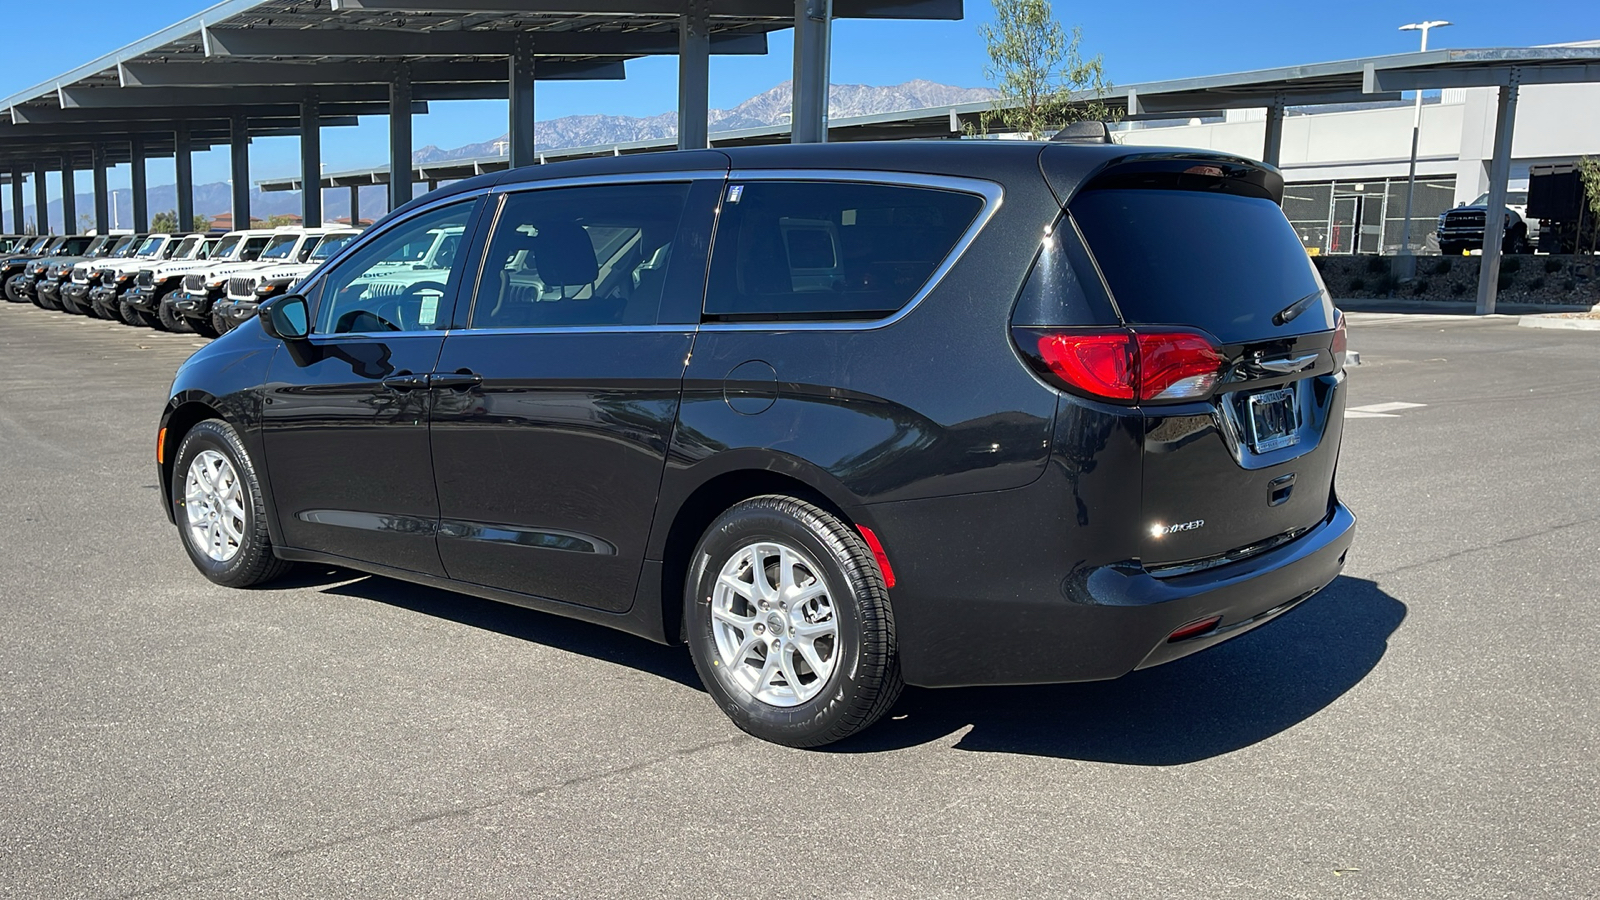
(682, 328)
(505, 191)
(993, 196)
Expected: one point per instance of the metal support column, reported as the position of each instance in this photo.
(1272, 149)
(41, 203)
(102, 196)
(355, 206)
(1494, 226)
(813, 28)
(400, 137)
(139, 184)
(69, 196)
(311, 160)
(694, 75)
(521, 87)
(183, 166)
(239, 163)
(16, 199)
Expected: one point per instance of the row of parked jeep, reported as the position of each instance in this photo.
(202, 283)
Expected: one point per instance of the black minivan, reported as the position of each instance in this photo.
(839, 417)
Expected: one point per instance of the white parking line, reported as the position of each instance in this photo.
(1380, 410)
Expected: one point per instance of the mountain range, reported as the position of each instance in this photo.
(768, 108)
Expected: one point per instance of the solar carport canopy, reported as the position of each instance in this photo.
(246, 68)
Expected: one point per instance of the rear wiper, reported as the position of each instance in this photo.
(1292, 311)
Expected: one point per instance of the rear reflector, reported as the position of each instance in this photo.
(1125, 364)
(1340, 344)
(878, 554)
(1193, 629)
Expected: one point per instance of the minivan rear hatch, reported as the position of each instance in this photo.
(1196, 244)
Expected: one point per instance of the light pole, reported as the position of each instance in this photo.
(1409, 266)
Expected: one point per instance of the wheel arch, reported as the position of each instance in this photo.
(184, 412)
(736, 479)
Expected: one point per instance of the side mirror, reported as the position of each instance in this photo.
(285, 318)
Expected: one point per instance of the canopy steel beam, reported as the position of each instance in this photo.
(155, 98)
(1494, 227)
(305, 42)
(183, 166)
(138, 176)
(694, 74)
(743, 9)
(239, 164)
(35, 115)
(521, 75)
(250, 73)
(310, 160)
(41, 205)
(69, 195)
(813, 30)
(1272, 148)
(1375, 80)
(16, 199)
(102, 197)
(1184, 103)
(400, 136)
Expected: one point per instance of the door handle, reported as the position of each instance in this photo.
(458, 381)
(404, 383)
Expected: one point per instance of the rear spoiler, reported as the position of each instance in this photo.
(1071, 168)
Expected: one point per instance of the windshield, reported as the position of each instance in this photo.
(330, 245)
(280, 247)
(121, 245)
(186, 249)
(151, 246)
(208, 249)
(1513, 198)
(95, 247)
(225, 248)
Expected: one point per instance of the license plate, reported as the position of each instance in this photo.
(1274, 420)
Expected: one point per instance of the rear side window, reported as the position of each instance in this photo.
(829, 250)
(1222, 262)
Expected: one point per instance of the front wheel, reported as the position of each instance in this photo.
(789, 623)
(170, 318)
(217, 503)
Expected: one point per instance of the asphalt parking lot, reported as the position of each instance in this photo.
(1427, 727)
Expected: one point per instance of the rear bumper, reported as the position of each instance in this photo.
(1034, 627)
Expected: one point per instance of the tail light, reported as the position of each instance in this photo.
(1340, 343)
(1127, 365)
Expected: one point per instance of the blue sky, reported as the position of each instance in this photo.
(1140, 42)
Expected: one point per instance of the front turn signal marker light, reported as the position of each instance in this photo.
(161, 447)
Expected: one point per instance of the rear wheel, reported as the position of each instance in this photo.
(789, 623)
(216, 501)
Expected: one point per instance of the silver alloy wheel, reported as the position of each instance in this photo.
(214, 503)
(775, 624)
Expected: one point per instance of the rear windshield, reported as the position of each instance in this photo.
(1221, 262)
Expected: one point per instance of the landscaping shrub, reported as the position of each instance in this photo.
(1358, 284)
(1418, 288)
(1442, 267)
(1511, 265)
(1457, 289)
(1376, 264)
(1536, 283)
(1553, 265)
(1506, 279)
(1568, 285)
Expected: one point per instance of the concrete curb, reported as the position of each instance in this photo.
(1558, 322)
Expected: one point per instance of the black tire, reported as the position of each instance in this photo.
(220, 322)
(864, 680)
(127, 313)
(169, 317)
(252, 561)
(70, 306)
(203, 327)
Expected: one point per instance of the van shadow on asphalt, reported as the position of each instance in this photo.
(1215, 702)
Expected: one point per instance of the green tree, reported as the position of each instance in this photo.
(1044, 82)
(201, 224)
(85, 223)
(164, 222)
(1589, 171)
